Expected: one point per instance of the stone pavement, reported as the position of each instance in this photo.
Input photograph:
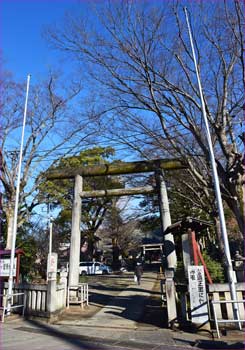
(120, 323)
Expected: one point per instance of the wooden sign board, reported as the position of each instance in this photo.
(198, 295)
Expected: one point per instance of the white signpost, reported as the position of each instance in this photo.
(198, 295)
(5, 267)
(52, 266)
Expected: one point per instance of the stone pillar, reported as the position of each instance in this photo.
(63, 278)
(170, 297)
(75, 246)
(51, 296)
(169, 249)
(169, 246)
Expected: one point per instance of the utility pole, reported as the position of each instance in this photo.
(230, 271)
(50, 226)
(11, 270)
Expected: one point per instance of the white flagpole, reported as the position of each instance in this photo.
(11, 270)
(216, 183)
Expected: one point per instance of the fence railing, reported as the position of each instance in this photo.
(219, 303)
(226, 302)
(12, 301)
(220, 294)
(78, 295)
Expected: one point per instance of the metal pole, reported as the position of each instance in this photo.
(50, 236)
(216, 182)
(50, 229)
(50, 247)
(50, 240)
(11, 270)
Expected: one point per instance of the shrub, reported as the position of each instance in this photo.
(215, 268)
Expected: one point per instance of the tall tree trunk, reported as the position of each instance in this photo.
(234, 207)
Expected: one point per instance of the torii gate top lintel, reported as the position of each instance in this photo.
(118, 168)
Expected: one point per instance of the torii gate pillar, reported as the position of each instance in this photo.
(169, 248)
(75, 233)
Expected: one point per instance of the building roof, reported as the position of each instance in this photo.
(186, 223)
(8, 251)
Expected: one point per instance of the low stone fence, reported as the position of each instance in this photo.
(42, 300)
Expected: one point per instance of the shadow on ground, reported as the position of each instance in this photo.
(143, 309)
(77, 341)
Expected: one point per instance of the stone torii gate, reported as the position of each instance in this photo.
(158, 166)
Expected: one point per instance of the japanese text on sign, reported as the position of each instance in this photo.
(5, 267)
(198, 297)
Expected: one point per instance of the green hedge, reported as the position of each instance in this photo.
(214, 267)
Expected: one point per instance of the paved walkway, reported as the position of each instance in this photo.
(121, 310)
(117, 322)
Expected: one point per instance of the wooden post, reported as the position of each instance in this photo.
(75, 246)
(194, 248)
(17, 278)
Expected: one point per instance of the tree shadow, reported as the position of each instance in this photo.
(76, 340)
(222, 345)
(145, 309)
(120, 289)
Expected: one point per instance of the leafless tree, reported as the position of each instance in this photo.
(123, 233)
(138, 55)
(52, 129)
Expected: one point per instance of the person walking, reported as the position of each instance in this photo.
(138, 272)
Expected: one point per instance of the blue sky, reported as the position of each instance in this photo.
(22, 23)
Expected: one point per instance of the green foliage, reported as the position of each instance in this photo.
(83, 279)
(60, 194)
(150, 223)
(215, 268)
(28, 243)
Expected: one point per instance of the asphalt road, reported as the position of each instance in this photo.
(121, 316)
(45, 337)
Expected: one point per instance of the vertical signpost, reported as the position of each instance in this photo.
(52, 266)
(198, 295)
(51, 276)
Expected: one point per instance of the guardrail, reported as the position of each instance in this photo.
(217, 321)
(11, 302)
